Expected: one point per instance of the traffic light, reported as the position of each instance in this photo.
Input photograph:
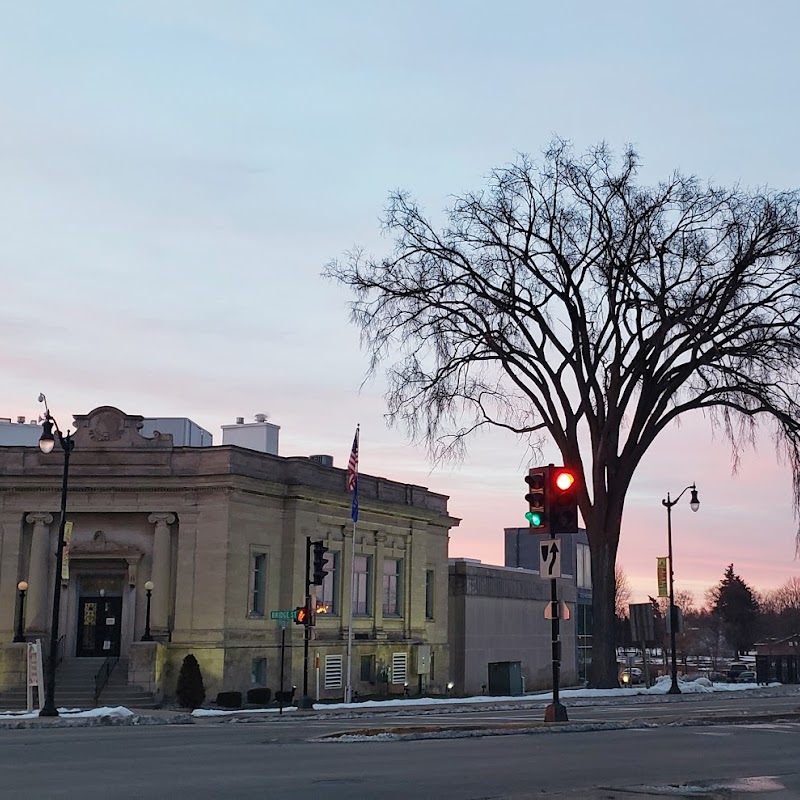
(537, 485)
(305, 614)
(319, 563)
(562, 500)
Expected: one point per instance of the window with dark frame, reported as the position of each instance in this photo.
(329, 591)
(430, 577)
(258, 672)
(392, 599)
(368, 669)
(362, 606)
(258, 585)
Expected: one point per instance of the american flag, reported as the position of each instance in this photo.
(352, 466)
(352, 476)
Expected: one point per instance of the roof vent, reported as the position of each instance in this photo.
(240, 420)
(325, 460)
(261, 417)
(20, 420)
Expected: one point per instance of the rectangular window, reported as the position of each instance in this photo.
(329, 591)
(362, 566)
(584, 564)
(392, 600)
(258, 584)
(399, 667)
(368, 669)
(429, 581)
(333, 672)
(258, 672)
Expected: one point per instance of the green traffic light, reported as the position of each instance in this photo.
(534, 518)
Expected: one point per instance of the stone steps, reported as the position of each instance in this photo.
(75, 688)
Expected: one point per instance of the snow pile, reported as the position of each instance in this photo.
(214, 712)
(73, 713)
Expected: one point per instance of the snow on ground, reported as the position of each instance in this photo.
(214, 712)
(701, 685)
(73, 713)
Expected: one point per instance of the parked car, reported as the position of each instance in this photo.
(631, 676)
(746, 676)
(735, 669)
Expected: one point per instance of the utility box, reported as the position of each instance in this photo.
(505, 678)
(423, 659)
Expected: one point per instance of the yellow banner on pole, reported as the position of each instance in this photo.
(65, 554)
(662, 577)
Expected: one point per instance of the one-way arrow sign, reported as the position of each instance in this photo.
(550, 558)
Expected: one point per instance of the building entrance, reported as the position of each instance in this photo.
(99, 626)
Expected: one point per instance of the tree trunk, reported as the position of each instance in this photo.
(603, 673)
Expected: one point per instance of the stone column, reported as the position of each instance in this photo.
(377, 605)
(161, 570)
(38, 572)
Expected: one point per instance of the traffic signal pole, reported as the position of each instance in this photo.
(556, 711)
(305, 700)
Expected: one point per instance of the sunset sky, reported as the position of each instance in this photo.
(175, 176)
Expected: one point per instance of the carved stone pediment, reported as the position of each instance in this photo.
(107, 426)
(100, 548)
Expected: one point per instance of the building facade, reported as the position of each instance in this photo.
(221, 532)
(497, 615)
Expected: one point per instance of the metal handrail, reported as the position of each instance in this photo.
(103, 675)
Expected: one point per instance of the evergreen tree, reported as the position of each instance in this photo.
(190, 690)
(736, 606)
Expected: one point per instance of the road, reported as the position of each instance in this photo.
(663, 710)
(243, 761)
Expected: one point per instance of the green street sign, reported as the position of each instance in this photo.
(283, 614)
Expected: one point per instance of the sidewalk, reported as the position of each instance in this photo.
(399, 708)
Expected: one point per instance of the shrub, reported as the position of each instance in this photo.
(285, 697)
(190, 690)
(259, 697)
(229, 699)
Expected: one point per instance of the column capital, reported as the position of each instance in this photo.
(161, 518)
(39, 518)
(380, 536)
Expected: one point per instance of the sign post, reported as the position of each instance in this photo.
(283, 618)
(550, 567)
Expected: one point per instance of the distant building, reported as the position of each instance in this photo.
(19, 433)
(521, 550)
(221, 532)
(497, 616)
(184, 432)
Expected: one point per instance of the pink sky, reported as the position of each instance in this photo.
(744, 519)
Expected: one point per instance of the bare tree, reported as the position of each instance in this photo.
(565, 300)
(784, 604)
(622, 592)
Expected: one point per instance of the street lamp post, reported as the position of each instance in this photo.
(148, 637)
(47, 442)
(694, 504)
(19, 635)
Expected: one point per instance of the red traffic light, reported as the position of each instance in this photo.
(564, 480)
(563, 500)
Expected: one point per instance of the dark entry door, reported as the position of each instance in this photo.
(99, 626)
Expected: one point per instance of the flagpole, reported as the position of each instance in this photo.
(352, 468)
(348, 694)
